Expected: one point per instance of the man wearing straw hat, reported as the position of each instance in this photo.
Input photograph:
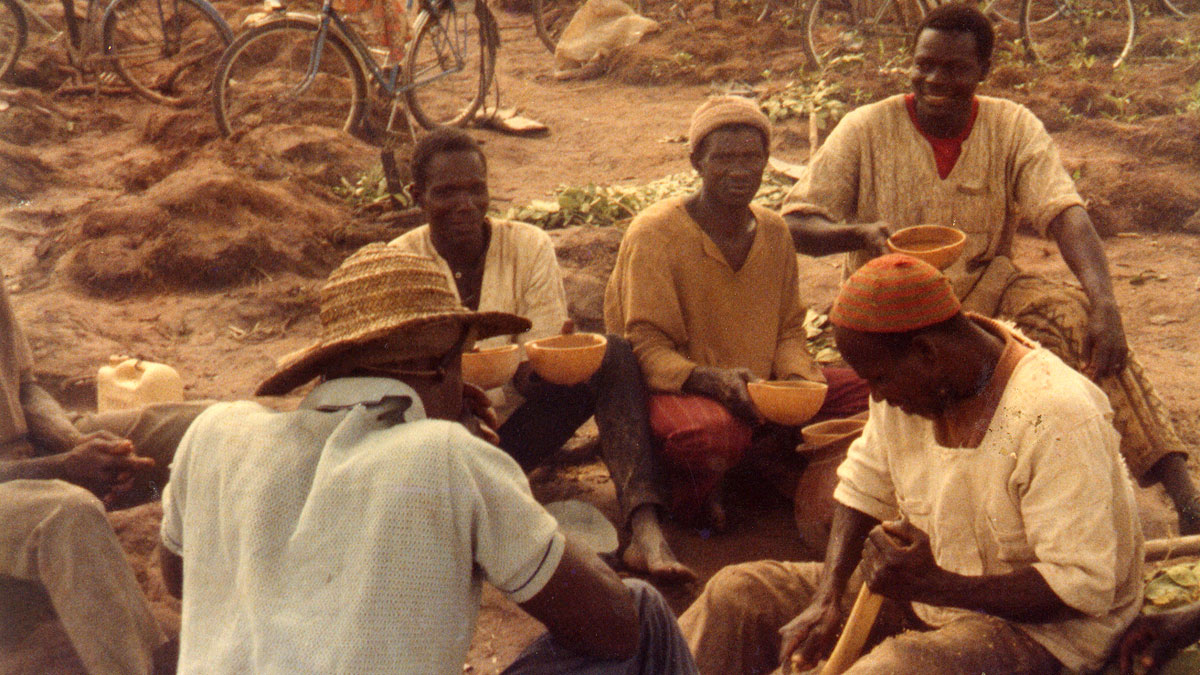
(943, 155)
(705, 287)
(352, 535)
(1018, 548)
(508, 266)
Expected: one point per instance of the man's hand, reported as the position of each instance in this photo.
(874, 237)
(726, 386)
(898, 561)
(1152, 640)
(478, 415)
(809, 637)
(1104, 345)
(104, 464)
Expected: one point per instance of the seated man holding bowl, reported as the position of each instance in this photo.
(706, 289)
(943, 155)
(506, 266)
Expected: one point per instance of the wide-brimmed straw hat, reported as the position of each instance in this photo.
(381, 298)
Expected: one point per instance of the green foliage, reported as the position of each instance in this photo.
(826, 100)
(368, 188)
(607, 205)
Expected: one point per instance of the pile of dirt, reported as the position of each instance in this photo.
(703, 49)
(22, 172)
(207, 213)
(586, 256)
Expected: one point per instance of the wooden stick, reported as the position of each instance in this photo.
(854, 636)
(1172, 547)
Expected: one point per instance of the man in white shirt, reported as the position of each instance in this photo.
(352, 535)
(1018, 548)
(507, 266)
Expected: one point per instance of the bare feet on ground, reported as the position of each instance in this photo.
(649, 552)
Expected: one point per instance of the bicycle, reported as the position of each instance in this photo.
(836, 28)
(293, 68)
(1098, 29)
(163, 49)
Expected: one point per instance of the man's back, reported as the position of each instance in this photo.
(338, 540)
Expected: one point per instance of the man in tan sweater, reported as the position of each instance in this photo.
(944, 155)
(705, 288)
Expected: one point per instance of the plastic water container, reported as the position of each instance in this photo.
(129, 383)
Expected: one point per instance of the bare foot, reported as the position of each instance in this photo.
(649, 552)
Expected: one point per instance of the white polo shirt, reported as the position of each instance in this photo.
(340, 542)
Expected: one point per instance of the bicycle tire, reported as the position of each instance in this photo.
(258, 80)
(1078, 31)
(13, 32)
(165, 50)
(550, 18)
(449, 64)
(1182, 8)
(836, 28)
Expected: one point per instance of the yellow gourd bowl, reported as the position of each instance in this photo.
(824, 433)
(937, 245)
(490, 368)
(788, 402)
(566, 359)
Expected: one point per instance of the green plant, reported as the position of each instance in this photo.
(368, 188)
(1079, 58)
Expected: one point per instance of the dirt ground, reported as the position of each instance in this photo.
(131, 228)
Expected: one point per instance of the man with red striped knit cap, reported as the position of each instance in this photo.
(986, 501)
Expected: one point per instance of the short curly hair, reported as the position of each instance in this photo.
(441, 139)
(961, 18)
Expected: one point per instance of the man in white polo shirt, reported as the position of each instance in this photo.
(353, 534)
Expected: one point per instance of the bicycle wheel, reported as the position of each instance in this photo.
(880, 29)
(263, 78)
(550, 17)
(449, 63)
(13, 32)
(1078, 33)
(165, 49)
(1182, 8)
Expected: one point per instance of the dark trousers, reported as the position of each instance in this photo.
(617, 398)
(661, 648)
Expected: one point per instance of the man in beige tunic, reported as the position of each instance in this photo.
(944, 155)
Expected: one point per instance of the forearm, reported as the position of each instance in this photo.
(816, 235)
(37, 468)
(49, 427)
(847, 534)
(1022, 596)
(1083, 252)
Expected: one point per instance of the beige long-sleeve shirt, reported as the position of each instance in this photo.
(676, 299)
(16, 367)
(1045, 488)
(876, 166)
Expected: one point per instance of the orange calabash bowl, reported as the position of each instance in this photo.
(566, 359)
(788, 402)
(491, 368)
(937, 245)
(824, 433)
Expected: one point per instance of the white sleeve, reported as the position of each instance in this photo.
(864, 479)
(516, 542)
(1076, 509)
(543, 299)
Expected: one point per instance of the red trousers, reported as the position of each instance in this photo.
(701, 440)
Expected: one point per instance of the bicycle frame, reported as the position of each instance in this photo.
(363, 53)
(73, 42)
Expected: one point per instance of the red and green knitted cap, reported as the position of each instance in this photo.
(894, 294)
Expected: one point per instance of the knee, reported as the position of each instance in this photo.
(727, 590)
(618, 356)
(716, 443)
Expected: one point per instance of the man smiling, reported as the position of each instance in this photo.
(985, 165)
